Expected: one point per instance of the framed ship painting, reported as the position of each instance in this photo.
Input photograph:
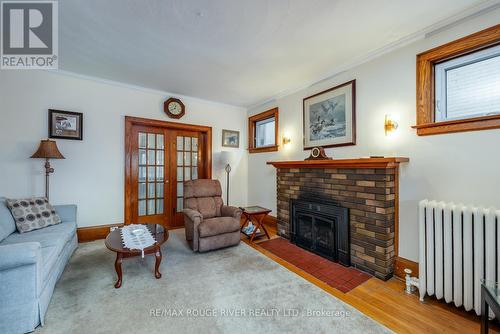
(330, 117)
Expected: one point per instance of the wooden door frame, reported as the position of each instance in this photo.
(131, 121)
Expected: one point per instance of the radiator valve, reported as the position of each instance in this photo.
(411, 282)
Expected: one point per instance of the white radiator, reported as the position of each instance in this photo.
(459, 245)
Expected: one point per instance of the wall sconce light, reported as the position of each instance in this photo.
(286, 140)
(390, 125)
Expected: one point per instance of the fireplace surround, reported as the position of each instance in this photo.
(368, 187)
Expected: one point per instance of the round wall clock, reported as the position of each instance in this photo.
(174, 108)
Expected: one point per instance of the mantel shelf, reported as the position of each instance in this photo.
(386, 162)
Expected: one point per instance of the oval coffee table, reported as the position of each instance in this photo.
(114, 243)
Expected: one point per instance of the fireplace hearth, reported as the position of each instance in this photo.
(321, 227)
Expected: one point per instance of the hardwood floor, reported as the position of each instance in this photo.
(388, 304)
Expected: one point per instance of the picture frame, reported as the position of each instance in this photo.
(230, 138)
(65, 124)
(329, 117)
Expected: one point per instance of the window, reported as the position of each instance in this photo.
(263, 131)
(468, 86)
(458, 85)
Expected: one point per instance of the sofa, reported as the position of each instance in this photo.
(30, 265)
(209, 224)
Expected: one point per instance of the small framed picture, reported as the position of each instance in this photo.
(65, 124)
(230, 138)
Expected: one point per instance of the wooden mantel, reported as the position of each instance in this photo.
(386, 162)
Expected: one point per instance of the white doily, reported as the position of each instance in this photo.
(136, 241)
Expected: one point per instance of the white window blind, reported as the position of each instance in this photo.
(264, 132)
(468, 86)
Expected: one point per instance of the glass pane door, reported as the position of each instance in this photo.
(187, 164)
(151, 174)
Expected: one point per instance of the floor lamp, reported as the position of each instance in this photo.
(47, 150)
(226, 158)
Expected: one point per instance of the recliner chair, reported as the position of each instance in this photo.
(209, 223)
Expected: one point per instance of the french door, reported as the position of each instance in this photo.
(160, 156)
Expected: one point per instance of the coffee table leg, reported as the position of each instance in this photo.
(118, 268)
(157, 263)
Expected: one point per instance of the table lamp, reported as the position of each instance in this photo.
(47, 150)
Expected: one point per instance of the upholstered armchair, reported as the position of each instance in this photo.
(209, 223)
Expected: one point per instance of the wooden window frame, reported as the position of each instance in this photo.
(426, 124)
(251, 131)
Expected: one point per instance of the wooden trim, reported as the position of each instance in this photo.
(273, 148)
(251, 131)
(400, 264)
(390, 162)
(426, 124)
(353, 97)
(91, 233)
(469, 124)
(130, 122)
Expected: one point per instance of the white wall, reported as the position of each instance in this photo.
(92, 175)
(462, 167)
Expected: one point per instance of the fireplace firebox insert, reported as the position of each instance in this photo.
(321, 227)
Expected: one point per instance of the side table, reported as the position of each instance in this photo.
(490, 300)
(256, 215)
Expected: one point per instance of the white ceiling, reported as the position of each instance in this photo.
(239, 52)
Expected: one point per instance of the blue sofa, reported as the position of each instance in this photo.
(30, 265)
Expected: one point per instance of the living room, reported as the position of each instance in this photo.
(263, 166)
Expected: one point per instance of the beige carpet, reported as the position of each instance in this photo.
(234, 290)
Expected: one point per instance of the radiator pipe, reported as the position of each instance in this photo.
(411, 282)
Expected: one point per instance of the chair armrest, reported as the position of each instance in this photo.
(231, 211)
(20, 276)
(192, 220)
(193, 214)
(67, 213)
(20, 254)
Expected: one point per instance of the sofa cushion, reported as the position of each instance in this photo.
(32, 213)
(7, 223)
(218, 225)
(56, 235)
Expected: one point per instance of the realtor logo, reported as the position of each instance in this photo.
(29, 35)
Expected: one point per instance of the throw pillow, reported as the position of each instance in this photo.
(32, 213)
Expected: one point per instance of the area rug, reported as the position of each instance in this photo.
(334, 274)
(233, 290)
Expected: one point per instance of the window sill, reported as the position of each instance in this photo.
(461, 125)
(272, 148)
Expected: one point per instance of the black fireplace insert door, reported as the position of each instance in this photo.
(322, 228)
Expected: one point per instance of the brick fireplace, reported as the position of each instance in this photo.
(367, 187)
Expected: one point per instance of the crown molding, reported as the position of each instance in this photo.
(139, 88)
(440, 26)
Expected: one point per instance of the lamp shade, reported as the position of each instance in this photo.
(47, 150)
(226, 157)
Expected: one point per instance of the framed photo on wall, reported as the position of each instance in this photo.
(329, 117)
(65, 124)
(230, 138)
